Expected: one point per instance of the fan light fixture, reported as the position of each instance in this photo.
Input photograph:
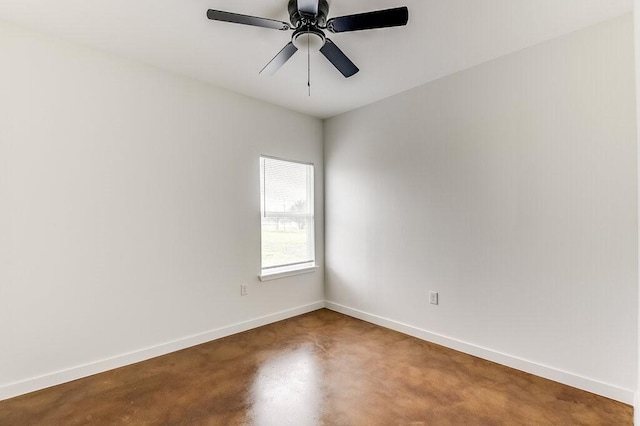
(308, 38)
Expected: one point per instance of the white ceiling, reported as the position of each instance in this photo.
(442, 37)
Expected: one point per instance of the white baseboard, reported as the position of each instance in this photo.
(610, 391)
(30, 385)
(604, 389)
(636, 409)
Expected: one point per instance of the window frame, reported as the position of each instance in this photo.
(281, 271)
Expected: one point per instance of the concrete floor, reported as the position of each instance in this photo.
(318, 368)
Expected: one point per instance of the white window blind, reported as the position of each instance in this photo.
(286, 201)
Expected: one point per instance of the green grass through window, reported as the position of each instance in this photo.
(284, 247)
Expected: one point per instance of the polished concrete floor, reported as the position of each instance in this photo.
(319, 368)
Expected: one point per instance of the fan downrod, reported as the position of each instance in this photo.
(299, 20)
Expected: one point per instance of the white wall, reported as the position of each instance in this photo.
(129, 203)
(636, 26)
(510, 188)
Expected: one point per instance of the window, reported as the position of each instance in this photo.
(286, 204)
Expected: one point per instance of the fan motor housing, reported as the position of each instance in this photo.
(297, 19)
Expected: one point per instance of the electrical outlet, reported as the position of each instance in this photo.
(433, 297)
(243, 290)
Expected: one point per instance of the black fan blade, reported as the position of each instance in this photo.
(279, 60)
(219, 15)
(338, 59)
(369, 20)
(308, 7)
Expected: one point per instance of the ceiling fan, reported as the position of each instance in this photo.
(308, 20)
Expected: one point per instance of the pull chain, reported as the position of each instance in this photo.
(309, 60)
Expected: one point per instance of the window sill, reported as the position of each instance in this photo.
(287, 273)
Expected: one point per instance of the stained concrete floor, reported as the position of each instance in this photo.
(318, 368)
